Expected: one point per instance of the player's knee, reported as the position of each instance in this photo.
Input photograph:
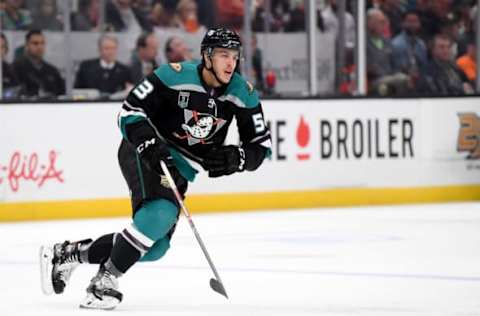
(158, 250)
(155, 218)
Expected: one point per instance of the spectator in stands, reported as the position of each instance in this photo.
(105, 73)
(257, 64)
(297, 19)
(120, 16)
(380, 73)
(279, 16)
(14, 17)
(143, 6)
(37, 77)
(435, 15)
(230, 13)
(9, 78)
(393, 10)
(45, 16)
(465, 24)
(442, 76)
(187, 17)
(162, 15)
(450, 28)
(468, 62)
(176, 50)
(409, 50)
(87, 17)
(330, 22)
(206, 13)
(143, 60)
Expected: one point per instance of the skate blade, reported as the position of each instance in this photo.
(106, 303)
(46, 266)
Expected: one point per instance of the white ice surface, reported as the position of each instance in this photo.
(403, 260)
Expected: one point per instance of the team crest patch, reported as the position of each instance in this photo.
(199, 127)
(183, 97)
(176, 66)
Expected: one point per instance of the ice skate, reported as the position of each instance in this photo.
(102, 293)
(57, 264)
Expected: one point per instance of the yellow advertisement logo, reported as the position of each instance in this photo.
(469, 135)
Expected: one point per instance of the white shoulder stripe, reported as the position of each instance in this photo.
(267, 134)
(191, 87)
(125, 113)
(128, 105)
(238, 102)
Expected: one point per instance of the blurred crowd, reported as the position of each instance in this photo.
(414, 47)
(422, 47)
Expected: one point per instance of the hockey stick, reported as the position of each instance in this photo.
(215, 283)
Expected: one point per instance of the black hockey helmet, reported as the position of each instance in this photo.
(220, 37)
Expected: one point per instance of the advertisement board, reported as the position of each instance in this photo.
(324, 152)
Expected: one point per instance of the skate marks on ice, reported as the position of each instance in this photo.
(416, 260)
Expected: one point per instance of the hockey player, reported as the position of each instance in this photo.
(179, 114)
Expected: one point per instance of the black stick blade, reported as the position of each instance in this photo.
(218, 287)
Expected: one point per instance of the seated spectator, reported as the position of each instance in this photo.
(382, 78)
(14, 17)
(187, 17)
(37, 77)
(105, 73)
(87, 17)
(230, 13)
(45, 16)
(393, 10)
(176, 50)
(409, 50)
(466, 27)
(468, 62)
(206, 13)
(143, 60)
(162, 15)
(330, 22)
(297, 21)
(433, 17)
(257, 64)
(143, 6)
(120, 16)
(9, 78)
(442, 76)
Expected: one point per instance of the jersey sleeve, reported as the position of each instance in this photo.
(254, 135)
(139, 107)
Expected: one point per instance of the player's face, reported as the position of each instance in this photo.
(224, 62)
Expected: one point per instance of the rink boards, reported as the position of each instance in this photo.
(59, 160)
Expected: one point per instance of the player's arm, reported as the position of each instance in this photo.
(255, 145)
(136, 126)
(254, 136)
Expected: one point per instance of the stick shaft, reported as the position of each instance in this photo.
(190, 221)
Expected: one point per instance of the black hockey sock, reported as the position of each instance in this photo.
(130, 245)
(124, 254)
(99, 250)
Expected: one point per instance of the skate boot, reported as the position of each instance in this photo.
(57, 264)
(102, 293)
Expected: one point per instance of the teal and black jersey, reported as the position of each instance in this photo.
(191, 116)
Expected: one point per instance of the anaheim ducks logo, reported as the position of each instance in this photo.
(200, 127)
(469, 135)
